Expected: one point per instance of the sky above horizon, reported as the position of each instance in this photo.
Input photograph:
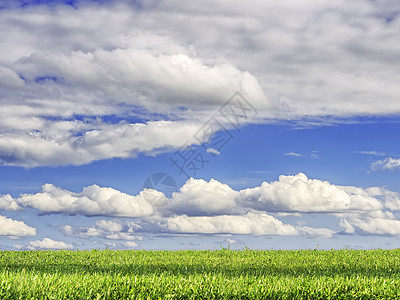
(153, 125)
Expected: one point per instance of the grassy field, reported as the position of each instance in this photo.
(248, 274)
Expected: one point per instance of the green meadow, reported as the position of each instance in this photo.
(220, 274)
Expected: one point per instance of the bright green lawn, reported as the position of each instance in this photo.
(249, 274)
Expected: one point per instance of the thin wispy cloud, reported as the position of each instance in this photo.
(373, 153)
(293, 154)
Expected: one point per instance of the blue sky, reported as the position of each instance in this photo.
(286, 114)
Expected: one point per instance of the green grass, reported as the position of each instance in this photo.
(248, 274)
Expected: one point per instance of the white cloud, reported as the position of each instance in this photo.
(199, 197)
(211, 207)
(390, 199)
(58, 144)
(299, 194)
(92, 201)
(111, 230)
(254, 223)
(213, 151)
(387, 164)
(13, 228)
(367, 224)
(131, 244)
(374, 153)
(48, 243)
(293, 154)
(8, 203)
(251, 223)
(166, 80)
(331, 58)
(324, 233)
(128, 72)
(323, 61)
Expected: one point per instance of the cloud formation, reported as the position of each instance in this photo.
(293, 154)
(387, 164)
(15, 229)
(253, 223)
(49, 244)
(77, 143)
(92, 201)
(199, 197)
(299, 194)
(211, 207)
(57, 94)
(374, 153)
(8, 203)
(110, 230)
(379, 223)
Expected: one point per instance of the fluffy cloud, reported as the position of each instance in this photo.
(92, 201)
(387, 164)
(199, 197)
(212, 207)
(389, 199)
(381, 224)
(299, 194)
(8, 203)
(48, 243)
(13, 228)
(202, 207)
(60, 143)
(328, 59)
(322, 62)
(156, 82)
(127, 73)
(111, 230)
(254, 223)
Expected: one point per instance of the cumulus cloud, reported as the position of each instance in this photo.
(298, 193)
(111, 230)
(199, 197)
(387, 164)
(212, 207)
(8, 203)
(381, 224)
(389, 199)
(13, 228)
(254, 223)
(92, 201)
(48, 243)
